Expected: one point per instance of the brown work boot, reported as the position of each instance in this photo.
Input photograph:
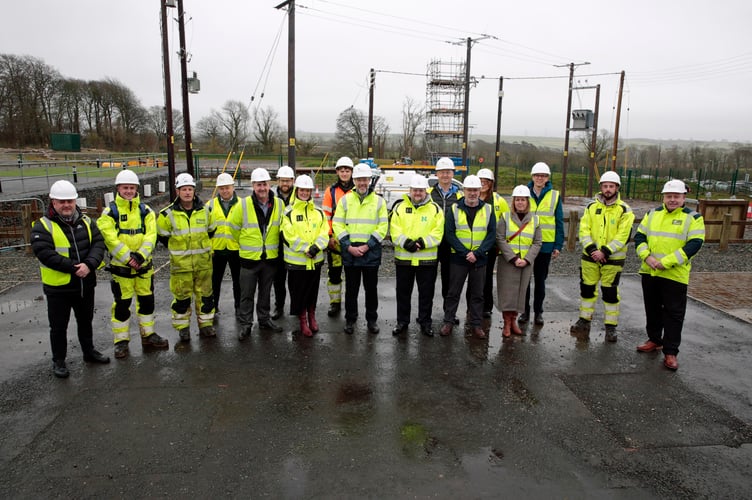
(478, 332)
(121, 349)
(670, 362)
(446, 329)
(649, 346)
(207, 331)
(154, 341)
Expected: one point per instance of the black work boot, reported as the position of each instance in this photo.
(611, 333)
(334, 309)
(59, 369)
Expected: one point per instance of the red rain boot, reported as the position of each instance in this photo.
(312, 319)
(304, 325)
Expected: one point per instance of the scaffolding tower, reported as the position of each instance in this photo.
(445, 107)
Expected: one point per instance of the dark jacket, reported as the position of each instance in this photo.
(460, 252)
(82, 249)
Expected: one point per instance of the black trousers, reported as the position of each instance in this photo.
(444, 254)
(475, 277)
(540, 273)
(304, 289)
(280, 281)
(425, 277)
(370, 277)
(59, 307)
(220, 260)
(665, 305)
(488, 295)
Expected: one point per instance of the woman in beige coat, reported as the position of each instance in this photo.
(518, 237)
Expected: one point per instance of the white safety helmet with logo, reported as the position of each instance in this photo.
(225, 179)
(674, 186)
(471, 182)
(127, 177)
(610, 176)
(260, 175)
(444, 163)
(521, 191)
(285, 172)
(184, 179)
(485, 173)
(63, 190)
(361, 170)
(344, 161)
(540, 168)
(418, 182)
(304, 182)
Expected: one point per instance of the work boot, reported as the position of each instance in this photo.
(121, 350)
(245, 333)
(514, 327)
(304, 328)
(312, 323)
(154, 341)
(539, 319)
(399, 329)
(478, 332)
(610, 333)
(270, 325)
(207, 331)
(581, 329)
(426, 330)
(507, 329)
(95, 356)
(373, 327)
(59, 369)
(446, 329)
(278, 312)
(350, 328)
(524, 317)
(334, 309)
(185, 334)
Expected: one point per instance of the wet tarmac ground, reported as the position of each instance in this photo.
(543, 415)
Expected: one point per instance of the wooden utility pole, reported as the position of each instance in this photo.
(290, 4)
(565, 162)
(616, 127)
(371, 84)
(184, 83)
(168, 104)
(593, 140)
(498, 130)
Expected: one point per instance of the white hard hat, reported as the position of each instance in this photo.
(304, 182)
(127, 177)
(610, 176)
(521, 191)
(260, 175)
(361, 170)
(184, 179)
(285, 172)
(471, 181)
(444, 163)
(225, 179)
(63, 190)
(540, 168)
(418, 182)
(344, 161)
(674, 186)
(485, 173)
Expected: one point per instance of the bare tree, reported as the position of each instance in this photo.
(211, 132)
(156, 123)
(351, 132)
(413, 116)
(602, 142)
(380, 135)
(266, 128)
(234, 119)
(306, 146)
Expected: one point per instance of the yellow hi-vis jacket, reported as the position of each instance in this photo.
(410, 221)
(188, 236)
(546, 212)
(130, 228)
(606, 227)
(303, 226)
(500, 205)
(671, 237)
(255, 241)
(219, 222)
(53, 277)
(361, 220)
(471, 238)
(520, 242)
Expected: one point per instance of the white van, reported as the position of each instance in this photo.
(392, 184)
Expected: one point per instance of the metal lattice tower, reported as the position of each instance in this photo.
(445, 105)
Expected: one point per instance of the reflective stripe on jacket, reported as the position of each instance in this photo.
(219, 222)
(471, 238)
(304, 225)
(189, 244)
(671, 237)
(546, 212)
(522, 241)
(257, 242)
(409, 221)
(130, 233)
(607, 228)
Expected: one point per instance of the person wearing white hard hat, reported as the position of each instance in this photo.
(283, 191)
(604, 233)
(183, 227)
(518, 236)
(470, 230)
(306, 235)
(445, 194)
(489, 195)
(129, 229)
(344, 184)
(666, 240)
(546, 203)
(257, 225)
(417, 228)
(360, 224)
(70, 248)
(226, 251)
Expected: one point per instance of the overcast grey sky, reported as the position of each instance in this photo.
(688, 63)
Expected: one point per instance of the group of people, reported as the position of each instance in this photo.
(277, 239)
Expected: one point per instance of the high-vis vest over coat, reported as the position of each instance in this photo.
(219, 222)
(255, 241)
(520, 241)
(546, 212)
(471, 238)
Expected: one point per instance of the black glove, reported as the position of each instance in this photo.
(137, 257)
(313, 250)
(410, 245)
(421, 243)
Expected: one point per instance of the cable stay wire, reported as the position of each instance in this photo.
(691, 68)
(267, 68)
